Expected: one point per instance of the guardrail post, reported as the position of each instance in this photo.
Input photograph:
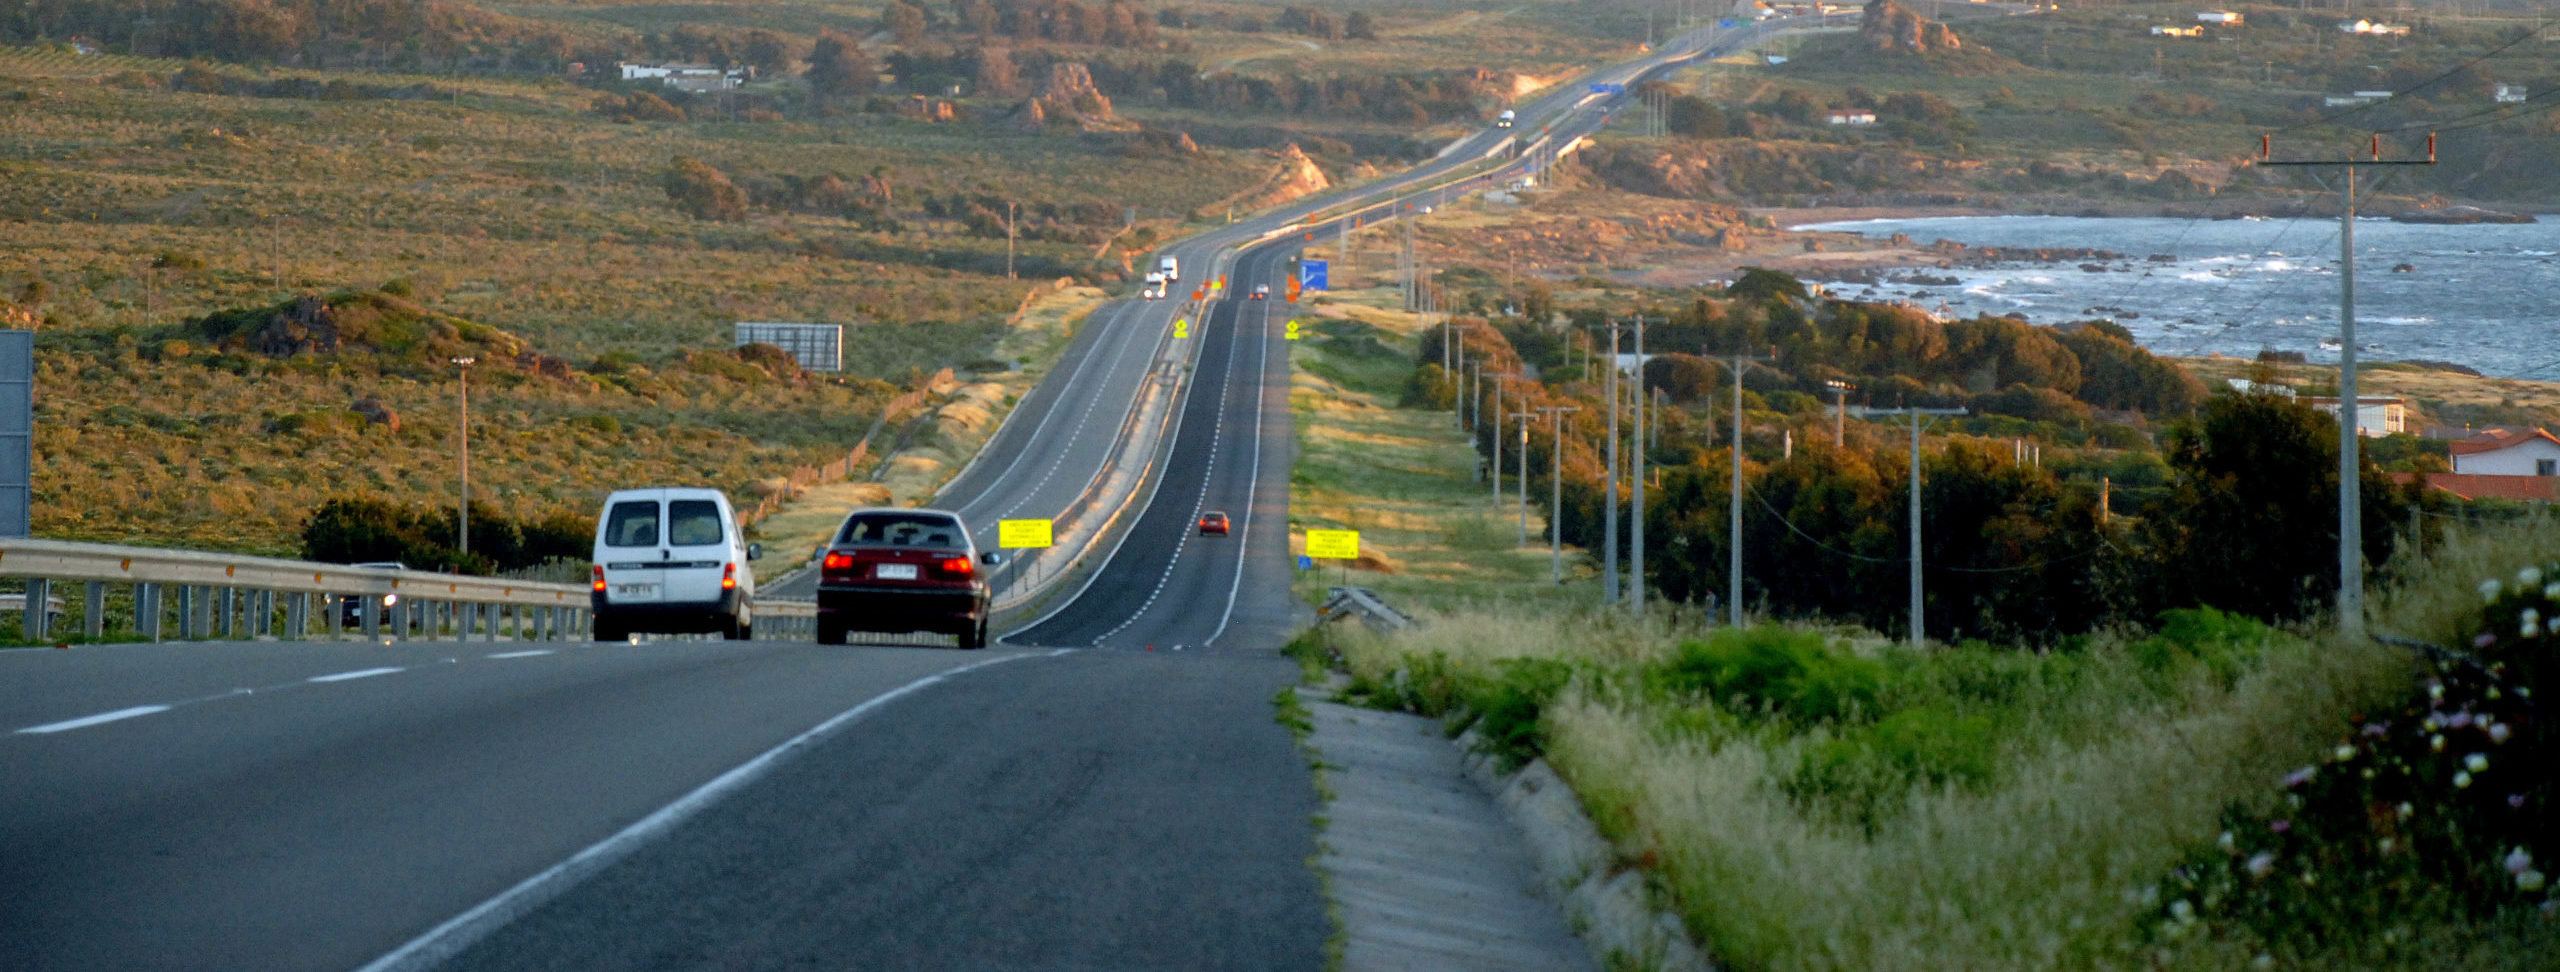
(93, 617)
(400, 619)
(372, 611)
(187, 612)
(146, 610)
(34, 621)
(217, 604)
(297, 616)
(491, 614)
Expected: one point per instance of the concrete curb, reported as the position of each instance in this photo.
(1611, 907)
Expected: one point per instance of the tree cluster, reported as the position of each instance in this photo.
(365, 529)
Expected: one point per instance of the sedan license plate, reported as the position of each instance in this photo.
(896, 572)
(635, 590)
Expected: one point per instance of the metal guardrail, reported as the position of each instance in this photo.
(1365, 603)
(239, 596)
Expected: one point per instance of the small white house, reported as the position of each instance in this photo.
(2508, 452)
(1859, 118)
(2508, 94)
(2371, 29)
(690, 77)
(2375, 417)
(2159, 31)
(2226, 18)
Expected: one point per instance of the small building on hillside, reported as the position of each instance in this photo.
(2375, 417)
(2508, 452)
(1857, 118)
(2158, 31)
(2226, 18)
(2508, 94)
(2371, 29)
(686, 77)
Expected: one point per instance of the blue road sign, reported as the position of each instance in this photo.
(1603, 87)
(1305, 562)
(1725, 24)
(1311, 275)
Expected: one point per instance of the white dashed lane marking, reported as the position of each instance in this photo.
(95, 720)
(519, 654)
(359, 673)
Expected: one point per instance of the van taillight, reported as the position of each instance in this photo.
(958, 566)
(599, 577)
(728, 577)
(837, 561)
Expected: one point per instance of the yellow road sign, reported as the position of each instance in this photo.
(1333, 544)
(1181, 327)
(1022, 534)
(1293, 330)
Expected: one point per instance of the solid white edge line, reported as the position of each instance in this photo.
(1091, 352)
(100, 719)
(466, 929)
(359, 673)
(520, 654)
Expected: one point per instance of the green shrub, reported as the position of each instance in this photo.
(1794, 675)
(1861, 775)
(1505, 707)
(2222, 642)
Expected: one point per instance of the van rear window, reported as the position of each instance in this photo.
(903, 530)
(693, 523)
(632, 523)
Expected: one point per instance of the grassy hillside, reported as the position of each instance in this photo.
(503, 215)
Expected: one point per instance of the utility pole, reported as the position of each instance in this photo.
(1494, 472)
(1914, 414)
(1524, 418)
(1008, 239)
(1555, 480)
(1733, 546)
(1635, 552)
(2350, 498)
(462, 516)
(1839, 412)
(1609, 515)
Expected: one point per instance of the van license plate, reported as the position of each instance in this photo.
(896, 572)
(635, 590)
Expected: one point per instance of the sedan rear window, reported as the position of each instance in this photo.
(903, 530)
(633, 523)
(693, 523)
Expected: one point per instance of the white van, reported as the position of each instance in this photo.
(671, 559)
(1154, 288)
(1171, 268)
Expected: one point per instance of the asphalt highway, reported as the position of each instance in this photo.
(1107, 788)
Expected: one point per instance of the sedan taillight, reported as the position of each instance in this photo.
(958, 566)
(837, 561)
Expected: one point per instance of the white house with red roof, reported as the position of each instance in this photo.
(2508, 452)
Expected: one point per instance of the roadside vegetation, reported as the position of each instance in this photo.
(2180, 783)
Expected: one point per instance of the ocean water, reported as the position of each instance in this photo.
(2486, 296)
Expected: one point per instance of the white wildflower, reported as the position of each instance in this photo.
(2261, 864)
(2529, 881)
(2529, 623)
(2519, 860)
(2182, 911)
(2551, 590)
(2227, 843)
(2462, 781)
(2343, 753)
(2435, 743)
(2406, 811)
(2489, 591)
(2476, 762)
(2529, 577)
(2498, 732)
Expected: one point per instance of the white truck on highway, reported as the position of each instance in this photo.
(1154, 290)
(1505, 119)
(1170, 267)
